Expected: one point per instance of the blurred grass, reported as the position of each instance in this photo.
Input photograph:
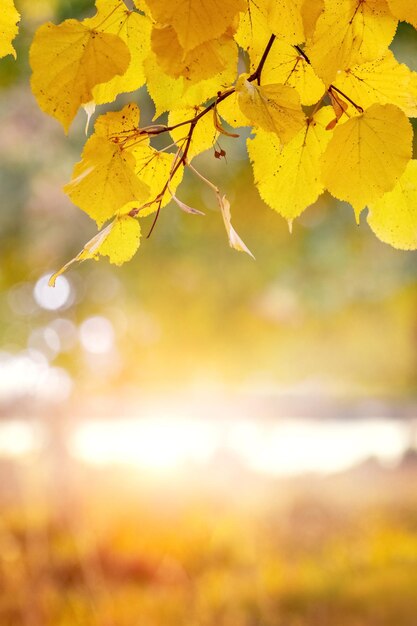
(310, 560)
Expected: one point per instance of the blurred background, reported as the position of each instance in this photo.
(197, 438)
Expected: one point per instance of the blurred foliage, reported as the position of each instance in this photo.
(313, 561)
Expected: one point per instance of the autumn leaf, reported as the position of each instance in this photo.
(285, 20)
(367, 154)
(383, 80)
(134, 29)
(274, 108)
(169, 93)
(349, 32)
(200, 63)
(310, 13)
(196, 21)
(9, 18)
(68, 61)
(286, 65)
(154, 169)
(204, 133)
(405, 10)
(105, 179)
(234, 240)
(288, 177)
(393, 218)
(119, 241)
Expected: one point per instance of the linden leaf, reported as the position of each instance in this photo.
(230, 111)
(196, 21)
(393, 218)
(405, 10)
(204, 134)
(384, 81)
(169, 93)
(275, 108)
(119, 241)
(200, 63)
(310, 12)
(154, 169)
(367, 155)
(234, 240)
(134, 29)
(118, 124)
(349, 32)
(288, 177)
(285, 20)
(105, 179)
(9, 18)
(68, 61)
(286, 65)
(254, 30)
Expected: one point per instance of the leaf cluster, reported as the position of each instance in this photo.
(327, 102)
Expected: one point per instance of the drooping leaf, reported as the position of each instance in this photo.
(68, 61)
(286, 22)
(234, 240)
(105, 179)
(286, 65)
(274, 108)
(349, 32)
(383, 80)
(288, 177)
(170, 93)
(367, 154)
(405, 10)
(119, 240)
(9, 18)
(310, 12)
(113, 17)
(204, 134)
(196, 21)
(200, 63)
(393, 218)
(230, 111)
(254, 30)
(154, 168)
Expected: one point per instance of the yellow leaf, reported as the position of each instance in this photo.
(229, 110)
(68, 61)
(204, 135)
(165, 91)
(200, 63)
(9, 18)
(274, 108)
(285, 65)
(384, 81)
(393, 218)
(134, 29)
(285, 20)
(118, 123)
(367, 155)
(123, 240)
(196, 21)
(154, 169)
(254, 31)
(310, 12)
(234, 240)
(119, 241)
(405, 10)
(349, 32)
(288, 177)
(169, 93)
(105, 179)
